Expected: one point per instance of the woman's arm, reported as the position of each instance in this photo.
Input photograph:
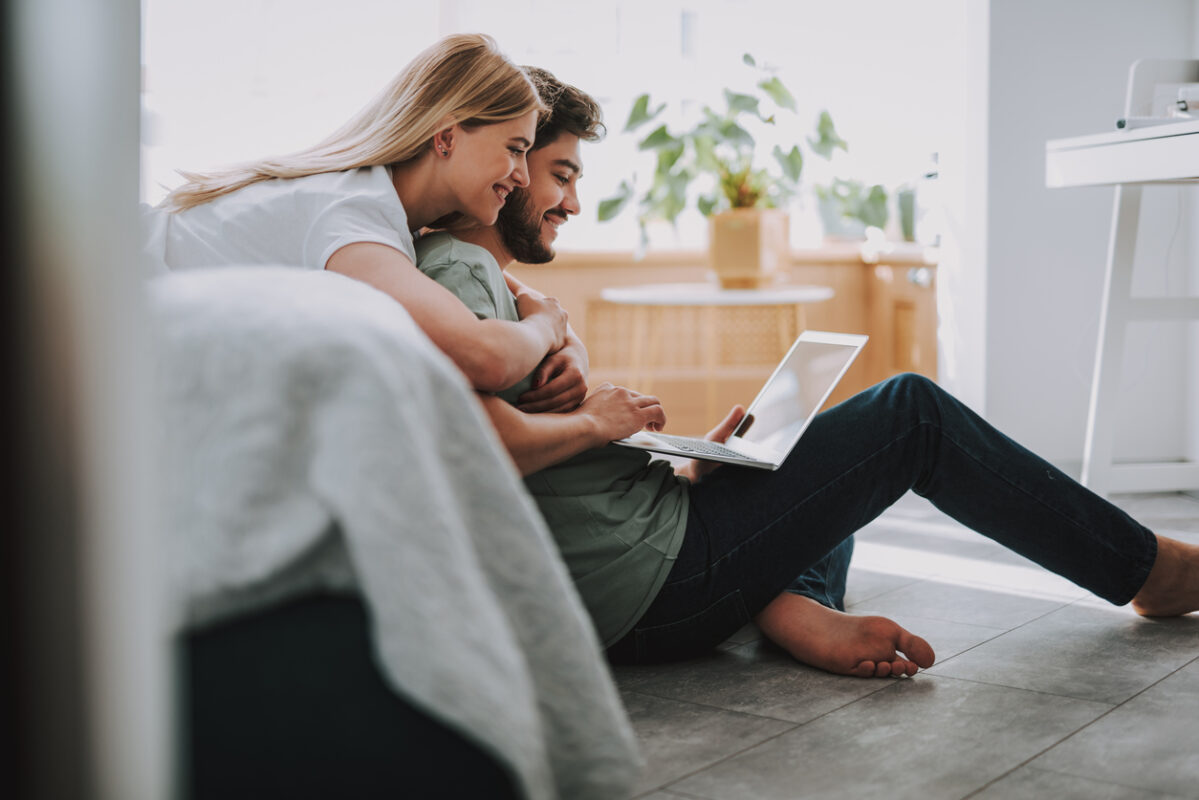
(537, 441)
(493, 353)
(560, 381)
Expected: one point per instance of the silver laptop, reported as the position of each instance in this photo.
(780, 413)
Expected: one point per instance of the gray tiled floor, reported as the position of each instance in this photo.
(1039, 690)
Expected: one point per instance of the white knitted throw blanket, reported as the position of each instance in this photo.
(315, 438)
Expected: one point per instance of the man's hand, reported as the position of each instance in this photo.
(695, 469)
(533, 306)
(617, 412)
(559, 382)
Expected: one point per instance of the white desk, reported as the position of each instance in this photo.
(1166, 153)
(785, 303)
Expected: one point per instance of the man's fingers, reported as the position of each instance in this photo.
(655, 419)
(727, 425)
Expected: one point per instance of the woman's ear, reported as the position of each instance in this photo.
(443, 142)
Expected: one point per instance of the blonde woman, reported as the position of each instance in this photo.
(446, 138)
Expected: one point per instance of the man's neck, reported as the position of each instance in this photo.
(489, 239)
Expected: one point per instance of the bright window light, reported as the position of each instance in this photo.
(234, 80)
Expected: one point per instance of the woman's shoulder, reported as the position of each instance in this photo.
(363, 181)
(317, 190)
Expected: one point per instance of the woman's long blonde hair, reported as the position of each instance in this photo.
(463, 76)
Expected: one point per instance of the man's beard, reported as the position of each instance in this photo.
(520, 233)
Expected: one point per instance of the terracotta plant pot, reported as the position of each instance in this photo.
(748, 247)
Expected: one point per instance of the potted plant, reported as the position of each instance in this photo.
(715, 165)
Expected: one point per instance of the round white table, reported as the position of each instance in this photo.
(649, 302)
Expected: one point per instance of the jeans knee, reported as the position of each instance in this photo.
(913, 396)
(910, 385)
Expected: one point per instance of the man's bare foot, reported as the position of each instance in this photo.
(1172, 587)
(865, 647)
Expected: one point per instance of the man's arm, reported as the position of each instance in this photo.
(537, 441)
(493, 353)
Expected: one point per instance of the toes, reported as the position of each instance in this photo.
(864, 669)
(917, 649)
(896, 668)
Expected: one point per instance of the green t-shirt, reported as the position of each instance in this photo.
(618, 516)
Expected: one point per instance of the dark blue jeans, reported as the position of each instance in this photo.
(750, 532)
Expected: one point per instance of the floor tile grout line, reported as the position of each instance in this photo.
(722, 759)
(1005, 632)
(671, 793)
(716, 707)
(886, 681)
(1105, 782)
(1051, 694)
(794, 726)
(886, 592)
(1041, 692)
(1079, 730)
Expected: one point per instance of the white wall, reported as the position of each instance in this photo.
(1058, 69)
(962, 274)
(1193, 394)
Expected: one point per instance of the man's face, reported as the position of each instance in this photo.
(528, 222)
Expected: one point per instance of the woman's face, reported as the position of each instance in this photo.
(486, 162)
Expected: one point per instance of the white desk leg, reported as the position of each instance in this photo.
(1113, 322)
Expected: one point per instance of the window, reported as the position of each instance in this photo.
(231, 80)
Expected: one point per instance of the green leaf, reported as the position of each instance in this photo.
(705, 152)
(741, 103)
(667, 204)
(777, 92)
(612, 206)
(640, 114)
(791, 162)
(659, 138)
(735, 135)
(673, 206)
(668, 157)
(827, 139)
(707, 204)
(749, 60)
(873, 209)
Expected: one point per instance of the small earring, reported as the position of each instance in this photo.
(443, 152)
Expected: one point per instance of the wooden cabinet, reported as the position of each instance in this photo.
(903, 320)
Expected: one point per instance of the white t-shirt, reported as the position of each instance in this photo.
(298, 222)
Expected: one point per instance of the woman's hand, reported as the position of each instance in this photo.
(617, 412)
(695, 469)
(547, 312)
(559, 382)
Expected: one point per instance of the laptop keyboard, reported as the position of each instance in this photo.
(701, 446)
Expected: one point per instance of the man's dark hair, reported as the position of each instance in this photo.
(570, 110)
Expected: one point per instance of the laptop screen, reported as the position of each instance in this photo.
(795, 392)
